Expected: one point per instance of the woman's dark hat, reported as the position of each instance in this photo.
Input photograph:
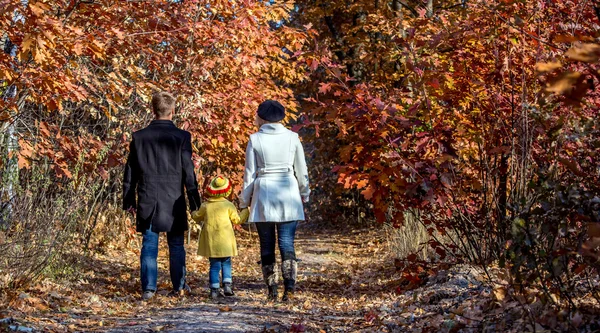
(270, 110)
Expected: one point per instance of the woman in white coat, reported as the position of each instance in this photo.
(275, 188)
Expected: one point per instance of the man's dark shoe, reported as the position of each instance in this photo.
(227, 290)
(186, 291)
(147, 295)
(214, 293)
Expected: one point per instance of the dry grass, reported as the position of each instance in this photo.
(411, 237)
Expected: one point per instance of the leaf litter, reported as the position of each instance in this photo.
(346, 284)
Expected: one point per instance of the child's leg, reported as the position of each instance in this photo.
(213, 274)
(226, 266)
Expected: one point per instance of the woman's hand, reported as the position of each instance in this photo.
(305, 199)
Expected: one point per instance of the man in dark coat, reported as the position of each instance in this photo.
(159, 166)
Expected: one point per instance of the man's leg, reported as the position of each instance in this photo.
(286, 233)
(266, 234)
(177, 259)
(148, 266)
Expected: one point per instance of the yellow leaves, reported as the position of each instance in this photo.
(564, 82)
(38, 8)
(587, 52)
(6, 74)
(97, 49)
(544, 67)
(449, 81)
(27, 43)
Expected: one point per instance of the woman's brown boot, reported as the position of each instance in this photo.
(271, 279)
(289, 270)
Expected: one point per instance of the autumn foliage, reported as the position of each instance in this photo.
(479, 117)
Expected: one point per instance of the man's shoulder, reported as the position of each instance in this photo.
(181, 132)
(139, 133)
(149, 130)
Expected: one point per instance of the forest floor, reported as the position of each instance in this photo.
(348, 282)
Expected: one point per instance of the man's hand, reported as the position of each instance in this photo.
(131, 210)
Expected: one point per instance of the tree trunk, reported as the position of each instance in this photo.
(397, 7)
(429, 8)
(9, 144)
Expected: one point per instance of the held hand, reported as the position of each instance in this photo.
(196, 215)
(131, 210)
(304, 199)
(244, 215)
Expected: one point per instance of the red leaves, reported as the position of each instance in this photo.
(368, 192)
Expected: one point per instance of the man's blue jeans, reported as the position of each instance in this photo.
(219, 266)
(149, 267)
(286, 232)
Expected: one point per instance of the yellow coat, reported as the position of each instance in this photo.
(216, 238)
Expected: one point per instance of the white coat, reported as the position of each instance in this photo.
(275, 177)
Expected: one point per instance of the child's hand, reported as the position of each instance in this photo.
(244, 215)
(196, 215)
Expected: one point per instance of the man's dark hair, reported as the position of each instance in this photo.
(162, 103)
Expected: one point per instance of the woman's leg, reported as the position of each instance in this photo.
(286, 233)
(214, 272)
(266, 234)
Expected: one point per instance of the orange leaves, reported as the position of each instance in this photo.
(220, 60)
(25, 154)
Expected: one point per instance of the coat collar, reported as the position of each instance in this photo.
(216, 199)
(162, 122)
(273, 128)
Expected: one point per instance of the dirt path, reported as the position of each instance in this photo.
(347, 283)
(327, 273)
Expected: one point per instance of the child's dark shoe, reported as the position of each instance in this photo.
(147, 295)
(214, 293)
(227, 290)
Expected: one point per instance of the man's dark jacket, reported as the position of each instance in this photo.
(158, 167)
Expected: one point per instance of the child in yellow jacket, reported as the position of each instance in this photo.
(217, 240)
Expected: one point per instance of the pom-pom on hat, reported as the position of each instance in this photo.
(219, 187)
(271, 110)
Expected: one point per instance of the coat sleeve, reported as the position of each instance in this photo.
(202, 213)
(130, 178)
(198, 215)
(189, 176)
(234, 217)
(249, 177)
(301, 171)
